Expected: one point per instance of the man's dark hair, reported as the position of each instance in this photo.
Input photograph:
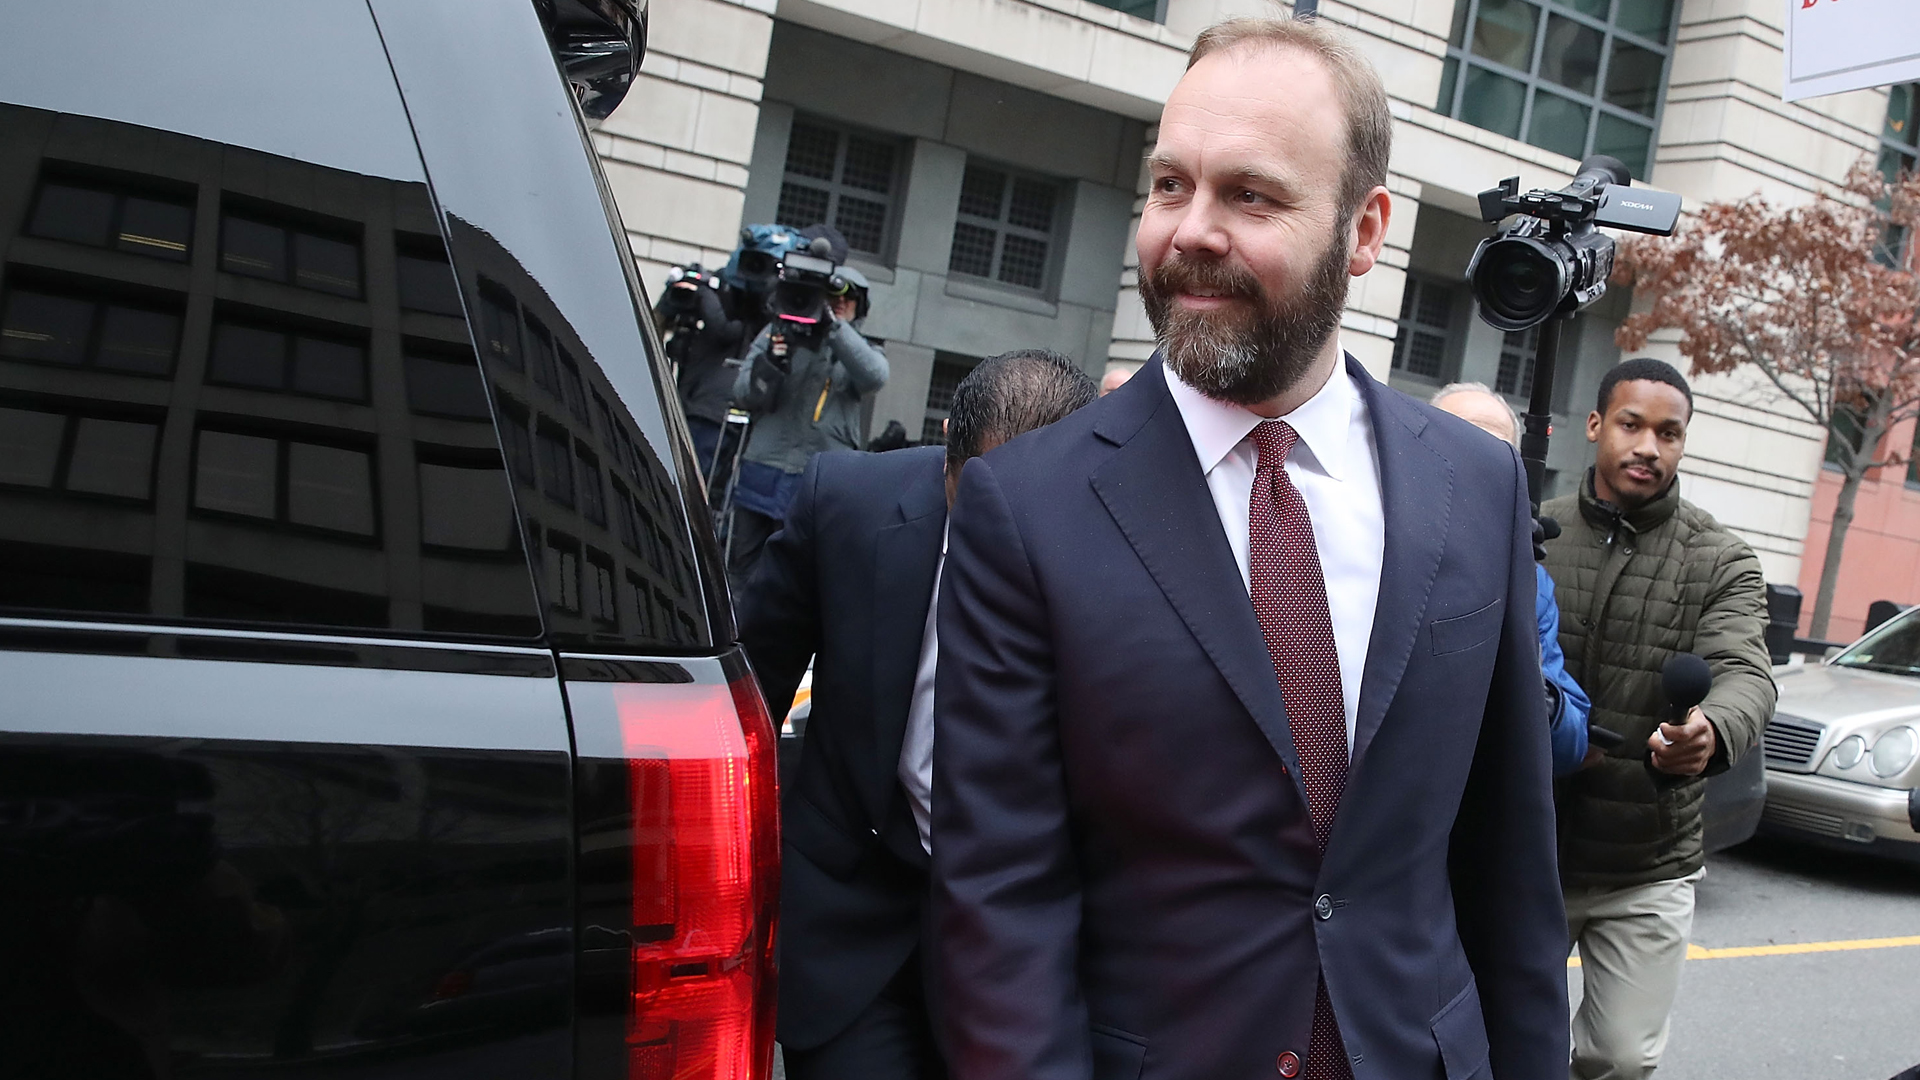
(1643, 368)
(1011, 394)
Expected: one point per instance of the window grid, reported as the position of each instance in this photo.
(1004, 228)
(1426, 327)
(1516, 362)
(947, 374)
(842, 177)
(1546, 71)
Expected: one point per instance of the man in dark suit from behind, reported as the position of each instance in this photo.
(849, 583)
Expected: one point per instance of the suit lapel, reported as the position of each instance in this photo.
(1416, 495)
(1158, 496)
(906, 554)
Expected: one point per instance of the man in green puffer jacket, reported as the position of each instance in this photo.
(1642, 575)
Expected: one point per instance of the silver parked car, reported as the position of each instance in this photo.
(1843, 749)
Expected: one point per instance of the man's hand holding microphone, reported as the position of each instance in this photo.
(1684, 748)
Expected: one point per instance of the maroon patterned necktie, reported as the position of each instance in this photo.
(1290, 599)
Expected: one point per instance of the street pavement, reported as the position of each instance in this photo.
(1841, 1014)
(1845, 1014)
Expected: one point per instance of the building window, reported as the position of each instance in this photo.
(1845, 433)
(448, 386)
(1576, 77)
(84, 455)
(425, 280)
(1426, 325)
(602, 606)
(1899, 153)
(99, 215)
(1005, 227)
(1515, 375)
(267, 359)
(844, 178)
(72, 329)
(562, 566)
(948, 370)
(463, 502)
(1150, 10)
(328, 488)
(554, 456)
(252, 246)
(500, 325)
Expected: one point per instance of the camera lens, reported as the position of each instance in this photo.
(756, 262)
(1518, 282)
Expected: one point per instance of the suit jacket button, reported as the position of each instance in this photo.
(1289, 1064)
(1323, 907)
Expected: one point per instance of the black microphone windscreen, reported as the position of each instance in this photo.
(1686, 679)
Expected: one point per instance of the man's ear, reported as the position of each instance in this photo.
(1593, 426)
(943, 431)
(1369, 231)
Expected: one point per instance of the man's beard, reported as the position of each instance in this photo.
(1244, 357)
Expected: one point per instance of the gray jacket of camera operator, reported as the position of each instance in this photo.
(815, 404)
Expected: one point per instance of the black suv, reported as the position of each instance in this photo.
(369, 700)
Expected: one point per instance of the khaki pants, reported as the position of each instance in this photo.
(1633, 942)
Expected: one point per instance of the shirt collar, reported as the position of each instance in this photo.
(1322, 422)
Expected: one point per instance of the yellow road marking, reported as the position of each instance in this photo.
(1695, 952)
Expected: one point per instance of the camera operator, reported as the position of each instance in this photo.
(709, 319)
(803, 382)
(1644, 575)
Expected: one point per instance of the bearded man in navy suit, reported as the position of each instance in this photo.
(1243, 767)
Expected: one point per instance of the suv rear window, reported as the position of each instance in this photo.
(231, 383)
(260, 366)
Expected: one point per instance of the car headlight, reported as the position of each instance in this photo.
(1894, 751)
(1849, 752)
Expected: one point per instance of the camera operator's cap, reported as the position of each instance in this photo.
(762, 245)
(848, 281)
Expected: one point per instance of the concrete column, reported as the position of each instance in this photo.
(676, 151)
(904, 398)
(932, 202)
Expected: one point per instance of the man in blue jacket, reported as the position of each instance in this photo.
(1567, 704)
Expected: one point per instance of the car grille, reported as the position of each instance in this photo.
(1791, 741)
(1812, 821)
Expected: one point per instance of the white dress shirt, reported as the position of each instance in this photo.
(1336, 467)
(916, 749)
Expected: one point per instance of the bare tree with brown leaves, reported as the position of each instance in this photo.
(1820, 299)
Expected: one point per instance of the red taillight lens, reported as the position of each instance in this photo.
(706, 889)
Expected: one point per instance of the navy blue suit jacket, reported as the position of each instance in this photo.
(846, 582)
(1125, 879)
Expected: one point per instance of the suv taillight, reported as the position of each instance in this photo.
(706, 886)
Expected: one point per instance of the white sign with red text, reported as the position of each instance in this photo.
(1838, 45)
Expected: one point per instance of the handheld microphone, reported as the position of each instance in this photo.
(1686, 680)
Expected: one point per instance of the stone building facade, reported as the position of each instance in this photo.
(985, 155)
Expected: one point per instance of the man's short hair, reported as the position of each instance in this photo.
(1369, 121)
(1451, 389)
(1636, 370)
(1011, 394)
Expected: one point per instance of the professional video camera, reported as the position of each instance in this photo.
(681, 304)
(798, 303)
(1550, 262)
